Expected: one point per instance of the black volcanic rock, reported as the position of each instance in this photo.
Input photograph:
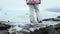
(48, 19)
(53, 19)
(47, 30)
(57, 26)
(4, 26)
(58, 16)
(52, 29)
(56, 19)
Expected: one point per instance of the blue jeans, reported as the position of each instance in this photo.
(34, 8)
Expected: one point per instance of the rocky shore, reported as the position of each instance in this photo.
(33, 28)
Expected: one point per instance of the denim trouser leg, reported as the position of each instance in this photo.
(36, 6)
(31, 8)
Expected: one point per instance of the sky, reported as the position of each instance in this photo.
(13, 4)
(21, 4)
(17, 10)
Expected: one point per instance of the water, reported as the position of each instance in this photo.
(22, 16)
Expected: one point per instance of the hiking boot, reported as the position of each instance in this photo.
(39, 21)
(31, 22)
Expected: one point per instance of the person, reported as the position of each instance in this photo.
(34, 7)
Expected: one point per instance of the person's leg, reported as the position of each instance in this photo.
(36, 6)
(31, 8)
